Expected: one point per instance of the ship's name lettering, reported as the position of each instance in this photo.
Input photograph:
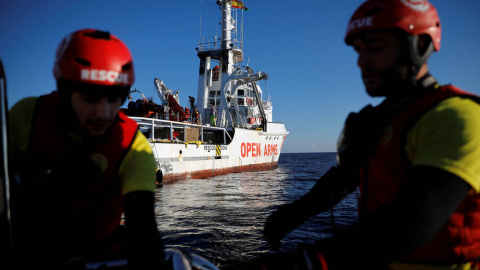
(213, 147)
(255, 149)
(104, 75)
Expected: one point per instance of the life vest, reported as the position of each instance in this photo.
(459, 239)
(94, 202)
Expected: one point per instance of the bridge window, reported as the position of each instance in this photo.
(215, 73)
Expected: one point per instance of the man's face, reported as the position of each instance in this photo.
(95, 114)
(379, 60)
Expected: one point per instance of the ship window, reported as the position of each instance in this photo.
(241, 101)
(212, 94)
(241, 92)
(215, 73)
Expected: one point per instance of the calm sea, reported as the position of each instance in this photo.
(221, 218)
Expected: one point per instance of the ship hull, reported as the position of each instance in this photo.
(218, 171)
(249, 150)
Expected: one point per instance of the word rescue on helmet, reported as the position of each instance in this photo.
(104, 75)
(363, 22)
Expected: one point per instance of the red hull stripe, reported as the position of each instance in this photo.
(209, 173)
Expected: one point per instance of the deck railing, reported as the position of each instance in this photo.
(153, 123)
(217, 45)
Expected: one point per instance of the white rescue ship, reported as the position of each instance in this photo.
(228, 129)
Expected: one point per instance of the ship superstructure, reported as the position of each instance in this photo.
(226, 86)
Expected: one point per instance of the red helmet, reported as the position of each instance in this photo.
(415, 17)
(94, 57)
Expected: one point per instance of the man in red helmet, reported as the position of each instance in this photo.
(415, 157)
(79, 164)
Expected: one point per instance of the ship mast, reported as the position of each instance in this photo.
(227, 52)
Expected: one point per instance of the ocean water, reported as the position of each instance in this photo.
(221, 218)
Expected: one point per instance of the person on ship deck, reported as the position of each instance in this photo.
(415, 157)
(79, 164)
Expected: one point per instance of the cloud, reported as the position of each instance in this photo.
(314, 146)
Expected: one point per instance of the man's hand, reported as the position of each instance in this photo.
(285, 219)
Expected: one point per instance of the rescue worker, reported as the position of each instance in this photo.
(213, 120)
(214, 112)
(196, 116)
(79, 164)
(415, 156)
(187, 112)
(213, 117)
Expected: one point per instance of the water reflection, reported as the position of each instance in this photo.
(221, 218)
